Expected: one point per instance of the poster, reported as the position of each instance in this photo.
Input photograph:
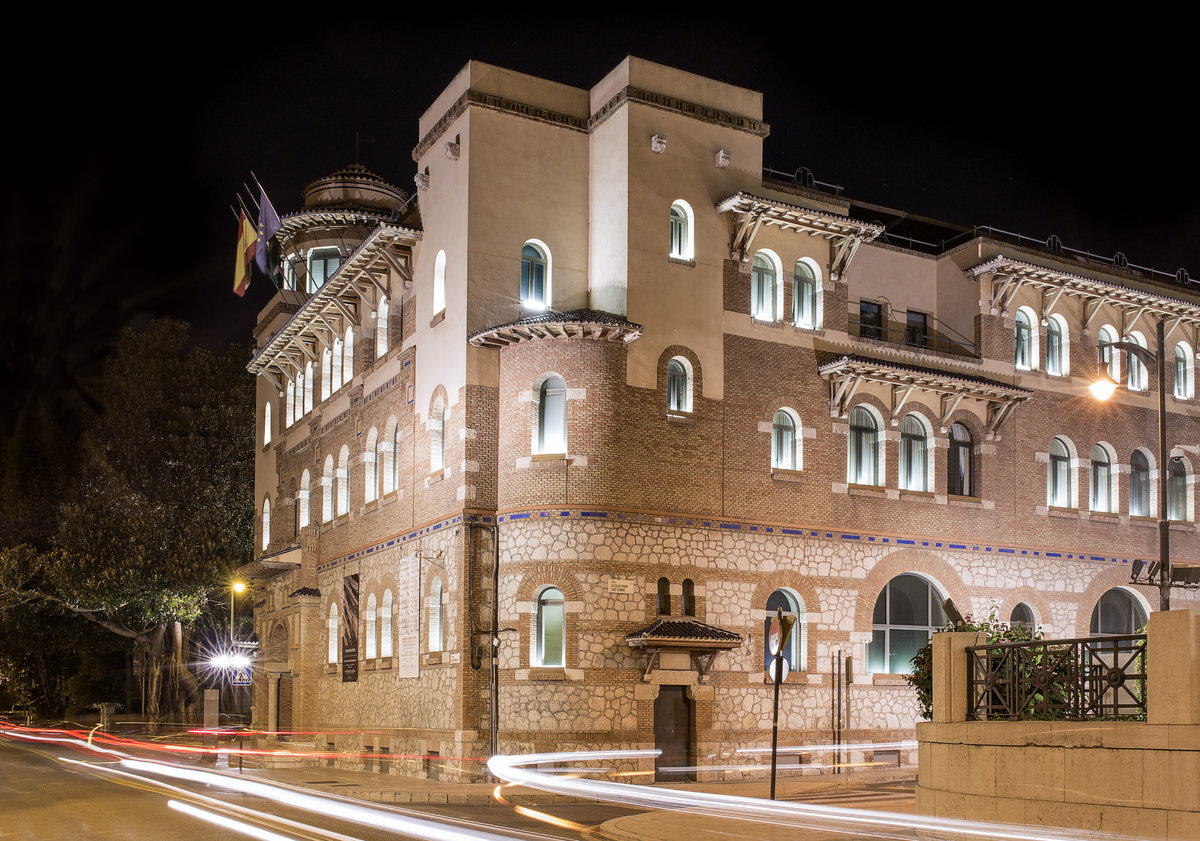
(350, 629)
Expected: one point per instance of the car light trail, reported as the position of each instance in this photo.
(228, 823)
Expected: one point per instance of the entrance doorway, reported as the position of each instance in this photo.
(673, 734)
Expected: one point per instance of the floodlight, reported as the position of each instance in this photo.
(1138, 566)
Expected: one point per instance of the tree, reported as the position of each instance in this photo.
(162, 510)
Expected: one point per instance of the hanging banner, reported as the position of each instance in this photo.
(350, 629)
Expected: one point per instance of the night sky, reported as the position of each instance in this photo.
(125, 159)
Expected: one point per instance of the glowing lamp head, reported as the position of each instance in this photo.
(239, 587)
(1103, 388)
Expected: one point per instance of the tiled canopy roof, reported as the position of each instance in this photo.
(581, 323)
(682, 632)
(305, 591)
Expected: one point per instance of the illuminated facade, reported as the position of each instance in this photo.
(603, 394)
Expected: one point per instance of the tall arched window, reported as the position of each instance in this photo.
(385, 625)
(343, 481)
(862, 461)
(1023, 337)
(436, 622)
(763, 280)
(266, 524)
(1185, 371)
(794, 648)
(381, 328)
(437, 436)
(327, 482)
(1056, 346)
(1136, 381)
(396, 456)
(551, 628)
(1058, 475)
(309, 387)
(289, 409)
(687, 601)
(1101, 480)
(303, 503)
(1177, 507)
(784, 452)
(960, 464)
(663, 600)
(387, 456)
(1118, 612)
(535, 276)
(335, 377)
(267, 421)
(806, 296)
(552, 416)
(370, 628)
(439, 283)
(1105, 337)
(1139, 485)
(370, 456)
(907, 613)
(914, 449)
(300, 386)
(333, 633)
(681, 231)
(326, 373)
(348, 356)
(679, 385)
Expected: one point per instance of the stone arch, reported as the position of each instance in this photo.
(276, 652)
(1043, 615)
(916, 561)
(539, 576)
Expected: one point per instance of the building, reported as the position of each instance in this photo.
(543, 445)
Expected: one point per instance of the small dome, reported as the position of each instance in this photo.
(354, 186)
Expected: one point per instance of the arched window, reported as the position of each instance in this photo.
(535, 276)
(299, 412)
(1118, 612)
(439, 283)
(387, 453)
(907, 613)
(335, 377)
(309, 387)
(385, 625)
(794, 647)
(327, 482)
(343, 481)
(267, 420)
(664, 597)
(370, 456)
(303, 502)
(1106, 336)
(370, 628)
(1139, 485)
(289, 409)
(688, 600)
(381, 328)
(1101, 480)
(1177, 488)
(960, 464)
(552, 416)
(784, 452)
(396, 457)
(326, 373)
(436, 625)
(1024, 357)
(1057, 346)
(681, 231)
(862, 461)
(763, 280)
(266, 524)
(348, 356)
(806, 295)
(551, 628)
(322, 263)
(1136, 381)
(914, 458)
(437, 436)
(679, 385)
(1022, 617)
(1058, 475)
(333, 633)
(1185, 371)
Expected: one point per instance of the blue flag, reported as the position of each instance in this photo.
(268, 226)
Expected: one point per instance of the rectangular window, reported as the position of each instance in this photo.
(916, 330)
(870, 320)
(1181, 390)
(1057, 490)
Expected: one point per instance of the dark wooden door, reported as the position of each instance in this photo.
(673, 734)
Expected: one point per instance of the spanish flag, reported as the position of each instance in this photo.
(247, 242)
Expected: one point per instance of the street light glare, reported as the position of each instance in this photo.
(1103, 388)
(238, 587)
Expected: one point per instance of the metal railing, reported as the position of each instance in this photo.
(932, 338)
(1093, 677)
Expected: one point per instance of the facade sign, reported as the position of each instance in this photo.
(350, 629)
(621, 585)
(407, 616)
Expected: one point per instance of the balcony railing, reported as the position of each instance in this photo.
(934, 337)
(1094, 677)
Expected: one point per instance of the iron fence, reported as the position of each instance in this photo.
(1093, 677)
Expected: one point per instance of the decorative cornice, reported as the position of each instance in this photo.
(581, 324)
(704, 113)
(495, 103)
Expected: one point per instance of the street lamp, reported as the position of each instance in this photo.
(238, 588)
(1103, 389)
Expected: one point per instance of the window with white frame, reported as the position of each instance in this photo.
(348, 356)
(960, 462)
(679, 385)
(370, 628)
(437, 436)
(382, 314)
(551, 636)
(436, 620)
(1101, 480)
(327, 490)
(806, 295)
(764, 278)
(309, 387)
(387, 452)
(1139, 485)
(535, 276)
(396, 456)
(1185, 371)
(1024, 338)
(1136, 381)
(914, 455)
(552, 416)
(266, 524)
(1177, 490)
(339, 357)
(1118, 612)
(343, 481)
(1058, 475)
(439, 283)
(1106, 336)
(1057, 346)
(333, 634)
(322, 264)
(785, 450)
(303, 503)
(906, 614)
(794, 648)
(371, 463)
(289, 410)
(862, 459)
(385, 625)
(681, 227)
(326, 373)
(289, 274)
(267, 422)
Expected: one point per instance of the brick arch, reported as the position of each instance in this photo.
(544, 575)
(785, 580)
(925, 410)
(687, 353)
(439, 393)
(1034, 598)
(918, 561)
(885, 411)
(1107, 579)
(974, 424)
(277, 643)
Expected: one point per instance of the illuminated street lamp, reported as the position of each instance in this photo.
(238, 588)
(1103, 389)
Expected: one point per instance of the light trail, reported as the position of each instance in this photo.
(870, 823)
(228, 823)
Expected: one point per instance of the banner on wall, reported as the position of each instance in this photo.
(350, 629)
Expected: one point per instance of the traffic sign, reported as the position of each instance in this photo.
(241, 677)
(786, 669)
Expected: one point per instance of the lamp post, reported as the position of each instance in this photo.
(238, 588)
(1103, 389)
